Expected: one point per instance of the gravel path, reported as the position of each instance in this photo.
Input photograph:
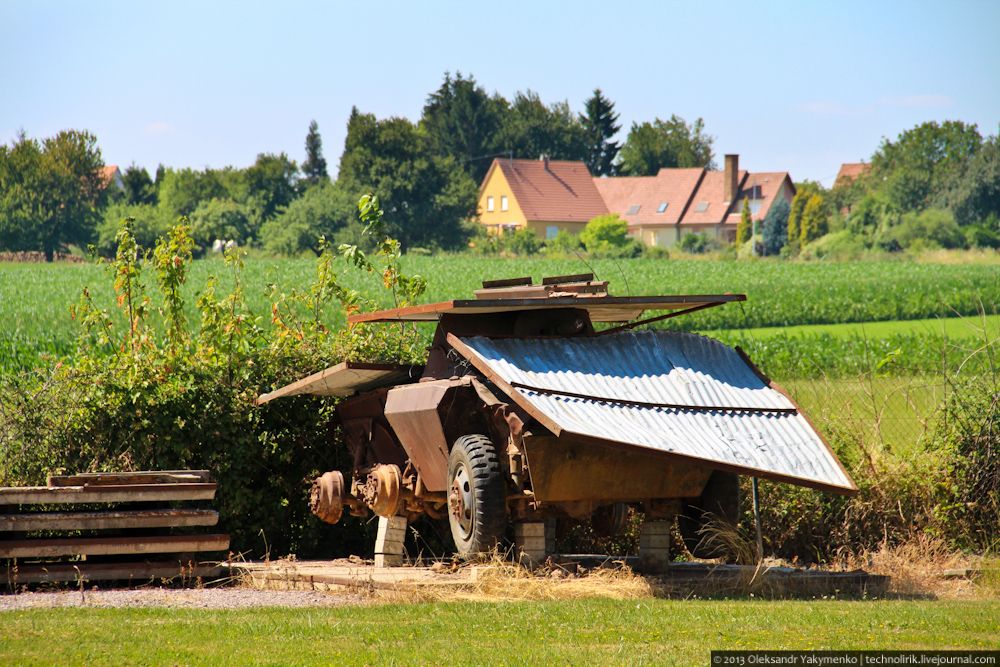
(200, 598)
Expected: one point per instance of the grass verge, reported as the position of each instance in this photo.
(567, 632)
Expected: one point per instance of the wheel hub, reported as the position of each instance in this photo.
(461, 500)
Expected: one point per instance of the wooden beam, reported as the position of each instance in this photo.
(107, 520)
(108, 546)
(73, 572)
(122, 493)
(137, 477)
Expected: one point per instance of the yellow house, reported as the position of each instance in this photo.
(546, 196)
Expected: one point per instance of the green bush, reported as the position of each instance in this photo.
(694, 243)
(220, 219)
(147, 391)
(607, 236)
(148, 224)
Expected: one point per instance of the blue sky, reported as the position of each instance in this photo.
(796, 86)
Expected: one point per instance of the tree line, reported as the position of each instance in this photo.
(427, 172)
(936, 184)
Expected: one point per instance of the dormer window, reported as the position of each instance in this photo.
(662, 208)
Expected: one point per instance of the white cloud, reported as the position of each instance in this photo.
(158, 128)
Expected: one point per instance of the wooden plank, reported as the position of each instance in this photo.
(137, 477)
(109, 546)
(123, 493)
(74, 572)
(506, 282)
(107, 520)
(574, 278)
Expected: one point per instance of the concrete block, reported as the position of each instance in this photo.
(530, 542)
(654, 545)
(389, 541)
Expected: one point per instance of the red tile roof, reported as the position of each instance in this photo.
(562, 191)
(849, 171)
(711, 191)
(670, 186)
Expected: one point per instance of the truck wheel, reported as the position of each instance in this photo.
(610, 520)
(477, 503)
(719, 501)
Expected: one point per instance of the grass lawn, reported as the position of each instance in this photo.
(569, 632)
(952, 327)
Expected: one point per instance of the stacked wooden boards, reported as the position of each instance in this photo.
(133, 526)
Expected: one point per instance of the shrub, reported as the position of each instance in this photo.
(146, 390)
(148, 224)
(563, 243)
(522, 242)
(607, 236)
(694, 243)
(933, 227)
(220, 219)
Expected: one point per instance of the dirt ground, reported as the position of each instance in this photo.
(238, 597)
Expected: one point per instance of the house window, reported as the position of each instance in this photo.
(662, 208)
(755, 206)
(509, 228)
(489, 203)
(551, 231)
(503, 203)
(633, 209)
(701, 207)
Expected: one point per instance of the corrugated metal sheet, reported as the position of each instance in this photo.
(345, 379)
(619, 372)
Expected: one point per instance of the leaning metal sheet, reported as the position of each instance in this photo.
(616, 388)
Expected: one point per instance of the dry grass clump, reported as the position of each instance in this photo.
(917, 569)
(496, 577)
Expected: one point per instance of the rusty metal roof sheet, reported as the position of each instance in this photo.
(345, 379)
(601, 308)
(681, 394)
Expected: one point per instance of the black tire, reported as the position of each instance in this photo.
(720, 500)
(609, 520)
(477, 495)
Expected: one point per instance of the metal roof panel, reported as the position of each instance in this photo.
(677, 393)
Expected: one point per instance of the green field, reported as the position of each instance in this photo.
(593, 632)
(35, 298)
(973, 326)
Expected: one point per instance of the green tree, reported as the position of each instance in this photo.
(271, 184)
(976, 198)
(744, 226)
(182, 190)
(324, 210)
(139, 187)
(221, 219)
(600, 125)
(924, 163)
(814, 219)
(461, 121)
(531, 129)
(607, 235)
(50, 193)
(314, 167)
(149, 223)
(425, 196)
(20, 194)
(775, 229)
(665, 143)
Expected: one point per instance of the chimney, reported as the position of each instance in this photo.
(731, 177)
(545, 161)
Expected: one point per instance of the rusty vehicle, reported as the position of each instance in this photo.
(525, 411)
